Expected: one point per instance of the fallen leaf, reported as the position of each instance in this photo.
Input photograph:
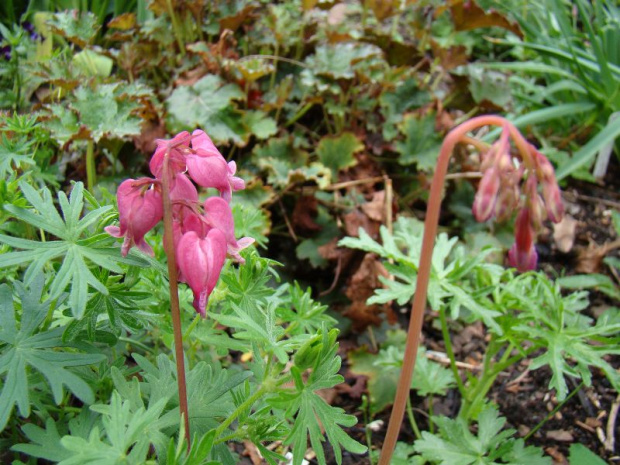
(467, 15)
(590, 259)
(304, 214)
(556, 455)
(337, 14)
(252, 451)
(564, 233)
(560, 435)
(123, 22)
(375, 209)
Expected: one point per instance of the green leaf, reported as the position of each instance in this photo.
(587, 153)
(287, 165)
(105, 113)
(93, 64)
(207, 103)
(382, 369)
(581, 455)
(261, 125)
(311, 410)
(27, 347)
(74, 270)
(597, 281)
(456, 445)
(126, 439)
(430, 377)
(489, 85)
(422, 142)
(44, 443)
(337, 152)
(78, 27)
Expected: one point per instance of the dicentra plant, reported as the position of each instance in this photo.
(516, 177)
(86, 317)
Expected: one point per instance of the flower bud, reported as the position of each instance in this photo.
(486, 196)
(553, 200)
(522, 255)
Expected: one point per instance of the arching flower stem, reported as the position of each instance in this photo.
(428, 243)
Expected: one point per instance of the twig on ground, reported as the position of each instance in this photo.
(589, 198)
(611, 425)
(288, 223)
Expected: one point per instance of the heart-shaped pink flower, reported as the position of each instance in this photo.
(140, 208)
(200, 262)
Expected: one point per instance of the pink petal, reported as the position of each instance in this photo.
(183, 189)
(177, 147)
(201, 261)
(208, 171)
(200, 140)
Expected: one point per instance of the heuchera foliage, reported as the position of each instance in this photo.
(204, 235)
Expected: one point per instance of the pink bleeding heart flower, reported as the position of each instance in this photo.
(219, 215)
(178, 146)
(140, 208)
(200, 262)
(522, 255)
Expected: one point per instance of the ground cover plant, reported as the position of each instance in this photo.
(214, 217)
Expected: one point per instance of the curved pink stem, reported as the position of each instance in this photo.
(428, 242)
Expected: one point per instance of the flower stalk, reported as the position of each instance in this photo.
(174, 296)
(499, 162)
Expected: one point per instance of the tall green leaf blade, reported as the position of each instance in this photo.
(587, 153)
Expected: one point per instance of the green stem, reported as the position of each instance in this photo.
(448, 343)
(91, 173)
(133, 342)
(272, 79)
(174, 295)
(244, 406)
(431, 424)
(553, 412)
(414, 424)
(175, 27)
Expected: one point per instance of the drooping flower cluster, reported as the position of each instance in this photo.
(204, 235)
(501, 192)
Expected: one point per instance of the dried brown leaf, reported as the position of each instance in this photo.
(564, 233)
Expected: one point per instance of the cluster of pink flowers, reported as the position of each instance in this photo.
(204, 235)
(501, 192)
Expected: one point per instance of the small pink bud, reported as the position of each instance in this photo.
(522, 255)
(553, 200)
(139, 209)
(486, 196)
(200, 262)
